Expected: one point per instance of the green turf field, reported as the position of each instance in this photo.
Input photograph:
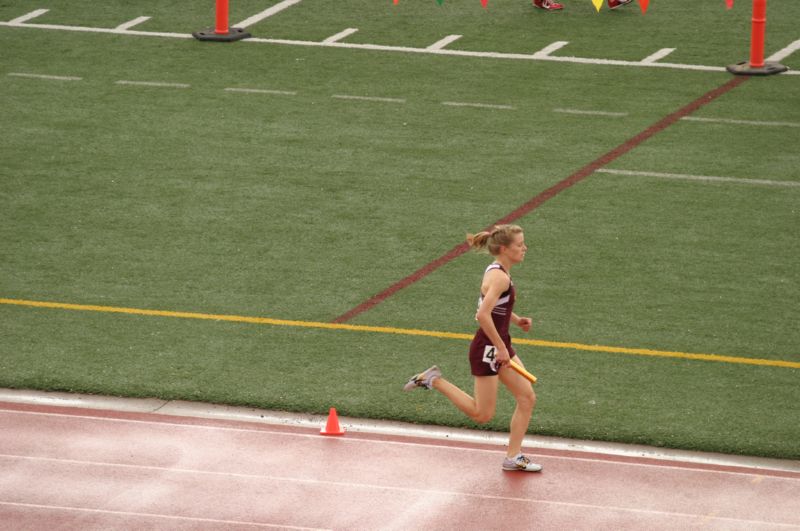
(288, 198)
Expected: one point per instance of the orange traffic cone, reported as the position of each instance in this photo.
(332, 427)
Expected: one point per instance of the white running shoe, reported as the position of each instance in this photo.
(424, 379)
(521, 463)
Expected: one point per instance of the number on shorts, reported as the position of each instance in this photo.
(490, 357)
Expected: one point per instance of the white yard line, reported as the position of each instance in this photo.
(261, 91)
(43, 76)
(478, 105)
(541, 55)
(277, 8)
(341, 35)
(368, 98)
(550, 48)
(702, 178)
(657, 56)
(594, 113)
(131, 23)
(112, 31)
(739, 122)
(442, 43)
(29, 16)
(159, 84)
(784, 53)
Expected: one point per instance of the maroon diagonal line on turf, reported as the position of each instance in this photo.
(546, 195)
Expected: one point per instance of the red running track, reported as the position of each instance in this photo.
(71, 468)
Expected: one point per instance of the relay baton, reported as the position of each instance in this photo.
(521, 370)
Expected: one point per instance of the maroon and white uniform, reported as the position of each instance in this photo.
(481, 351)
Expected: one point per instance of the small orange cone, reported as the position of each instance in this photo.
(332, 427)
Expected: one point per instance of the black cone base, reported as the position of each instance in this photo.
(234, 34)
(744, 69)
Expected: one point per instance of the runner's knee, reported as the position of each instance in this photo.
(526, 400)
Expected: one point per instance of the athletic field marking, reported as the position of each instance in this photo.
(131, 23)
(341, 35)
(277, 8)
(542, 55)
(442, 43)
(657, 56)
(546, 195)
(42, 76)
(399, 331)
(478, 105)
(740, 122)
(784, 53)
(154, 515)
(378, 487)
(595, 113)
(261, 91)
(717, 465)
(706, 178)
(550, 48)
(367, 98)
(112, 31)
(29, 16)
(158, 84)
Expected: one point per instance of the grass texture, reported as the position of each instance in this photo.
(301, 205)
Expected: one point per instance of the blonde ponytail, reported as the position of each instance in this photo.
(491, 241)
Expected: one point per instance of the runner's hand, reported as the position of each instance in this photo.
(502, 357)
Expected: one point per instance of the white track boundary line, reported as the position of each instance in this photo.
(157, 84)
(29, 16)
(542, 55)
(657, 56)
(592, 113)
(785, 52)
(339, 36)
(391, 488)
(131, 23)
(739, 122)
(702, 178)
(440, 44)
(44, 76)
(499, 440)
(261, 91)
(368, 98)
(154, 515)
(277, 8)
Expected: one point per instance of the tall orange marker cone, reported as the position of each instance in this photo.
(332, 427)
(757, 66)
(221, 32)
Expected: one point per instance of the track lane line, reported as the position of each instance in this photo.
(390, 488)
(156, 515)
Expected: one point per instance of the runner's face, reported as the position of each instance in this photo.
(516, 251)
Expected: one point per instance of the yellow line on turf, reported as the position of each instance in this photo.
(393, 330)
